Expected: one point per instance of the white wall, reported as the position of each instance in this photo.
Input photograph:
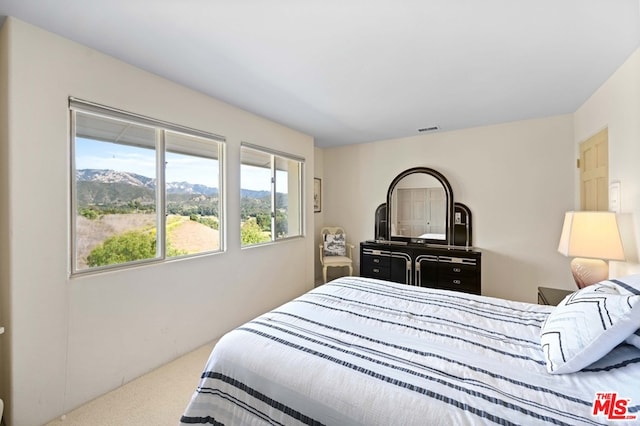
(616, 105)
(319, 216)
(4, 213)
(72, 339)
(517, 179)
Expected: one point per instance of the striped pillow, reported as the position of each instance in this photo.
(630, 285)
(587, 325)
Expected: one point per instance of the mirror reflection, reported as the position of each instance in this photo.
(419, 208)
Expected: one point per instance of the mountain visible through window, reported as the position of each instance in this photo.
(142, 193)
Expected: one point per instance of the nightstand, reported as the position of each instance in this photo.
(551, 296)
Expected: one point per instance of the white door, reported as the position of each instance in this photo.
(594, 172)
(421, 211)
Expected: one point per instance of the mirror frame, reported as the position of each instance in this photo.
(381, 229)
(449, 207)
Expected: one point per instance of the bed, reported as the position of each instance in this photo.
(359, 351)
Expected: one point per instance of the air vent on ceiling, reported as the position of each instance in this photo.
(429, 129)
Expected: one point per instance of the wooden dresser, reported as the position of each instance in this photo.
(423, 265)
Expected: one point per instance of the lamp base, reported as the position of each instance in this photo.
(589, 271)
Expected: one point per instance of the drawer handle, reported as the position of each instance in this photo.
(376, 260)
(457, 270)
(376, 270)
(457, 282)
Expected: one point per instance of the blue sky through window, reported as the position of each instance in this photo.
(93, 154)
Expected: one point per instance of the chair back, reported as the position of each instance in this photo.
(334, 250)
(333, 230)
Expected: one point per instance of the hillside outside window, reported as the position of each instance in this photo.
(270, 195)
(142, 190)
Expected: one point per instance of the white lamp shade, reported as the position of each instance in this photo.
(591, 235)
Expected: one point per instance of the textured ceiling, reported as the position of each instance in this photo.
(354, 71)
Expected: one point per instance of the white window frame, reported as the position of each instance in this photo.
(274, 155)
(161, 129)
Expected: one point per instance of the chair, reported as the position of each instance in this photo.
(334, 250)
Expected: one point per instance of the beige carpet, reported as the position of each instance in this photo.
(157, 398)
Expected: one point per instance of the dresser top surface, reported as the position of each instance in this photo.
(399, 245)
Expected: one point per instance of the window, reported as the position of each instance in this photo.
(142, 190)
(271, 195)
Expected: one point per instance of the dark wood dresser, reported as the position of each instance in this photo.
(444, 267)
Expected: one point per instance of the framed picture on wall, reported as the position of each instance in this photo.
(317, 195)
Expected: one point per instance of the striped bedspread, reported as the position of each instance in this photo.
(359, 351)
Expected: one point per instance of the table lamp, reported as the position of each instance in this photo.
(590, 237)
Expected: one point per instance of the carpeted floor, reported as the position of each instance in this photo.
(156, 399)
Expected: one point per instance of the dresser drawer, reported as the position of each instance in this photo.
(468, 284)
(461, 274)
(375, 272)
(375, 261)
(454, 270)
(375, 264)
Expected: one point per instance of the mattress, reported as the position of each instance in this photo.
(360, 351)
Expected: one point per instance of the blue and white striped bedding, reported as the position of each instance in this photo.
(359, 351)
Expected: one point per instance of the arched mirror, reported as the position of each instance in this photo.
(420, 207)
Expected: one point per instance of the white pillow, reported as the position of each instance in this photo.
(335, 245)
(634, 339)
(586, 325)
(630, 285)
